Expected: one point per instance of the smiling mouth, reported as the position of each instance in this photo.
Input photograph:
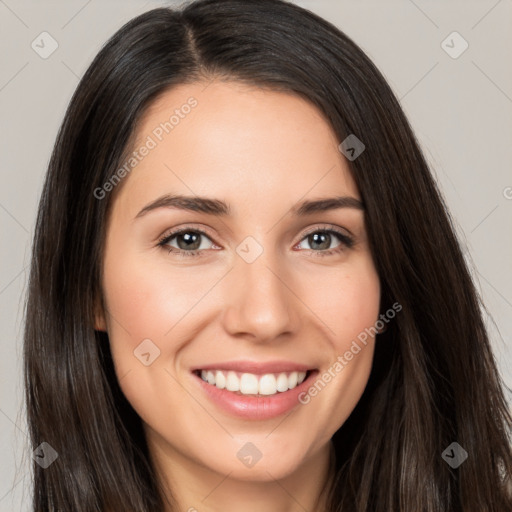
(251, 384)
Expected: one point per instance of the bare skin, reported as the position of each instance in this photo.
(261, 152)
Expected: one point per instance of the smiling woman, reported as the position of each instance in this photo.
(253, 315)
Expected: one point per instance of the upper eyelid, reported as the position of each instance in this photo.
(174, 232)
(330, 227)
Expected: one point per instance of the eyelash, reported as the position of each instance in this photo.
(346, 241)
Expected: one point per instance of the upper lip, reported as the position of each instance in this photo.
(257, 368)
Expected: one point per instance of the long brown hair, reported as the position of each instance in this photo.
(434, 380)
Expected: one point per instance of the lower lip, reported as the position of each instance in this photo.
(256, 407)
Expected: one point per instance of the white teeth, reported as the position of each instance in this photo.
(282, 382)
(267, 385)
(251, 384)
(220, 380)
(232, 382)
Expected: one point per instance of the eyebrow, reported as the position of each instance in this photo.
(219, 208)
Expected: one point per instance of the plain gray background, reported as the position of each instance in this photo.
(460, 109)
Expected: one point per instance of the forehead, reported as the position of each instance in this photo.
(231, 140)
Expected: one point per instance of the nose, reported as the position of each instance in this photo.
(260, 301)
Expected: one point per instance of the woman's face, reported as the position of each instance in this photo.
(258, 288)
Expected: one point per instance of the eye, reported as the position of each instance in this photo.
(188, 240)
(320, 241)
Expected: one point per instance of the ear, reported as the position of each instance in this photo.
(384, 329)
(100, 323)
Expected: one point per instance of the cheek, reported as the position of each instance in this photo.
(146, 299)
(346, 300)
(349, 307)
(143, 306)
